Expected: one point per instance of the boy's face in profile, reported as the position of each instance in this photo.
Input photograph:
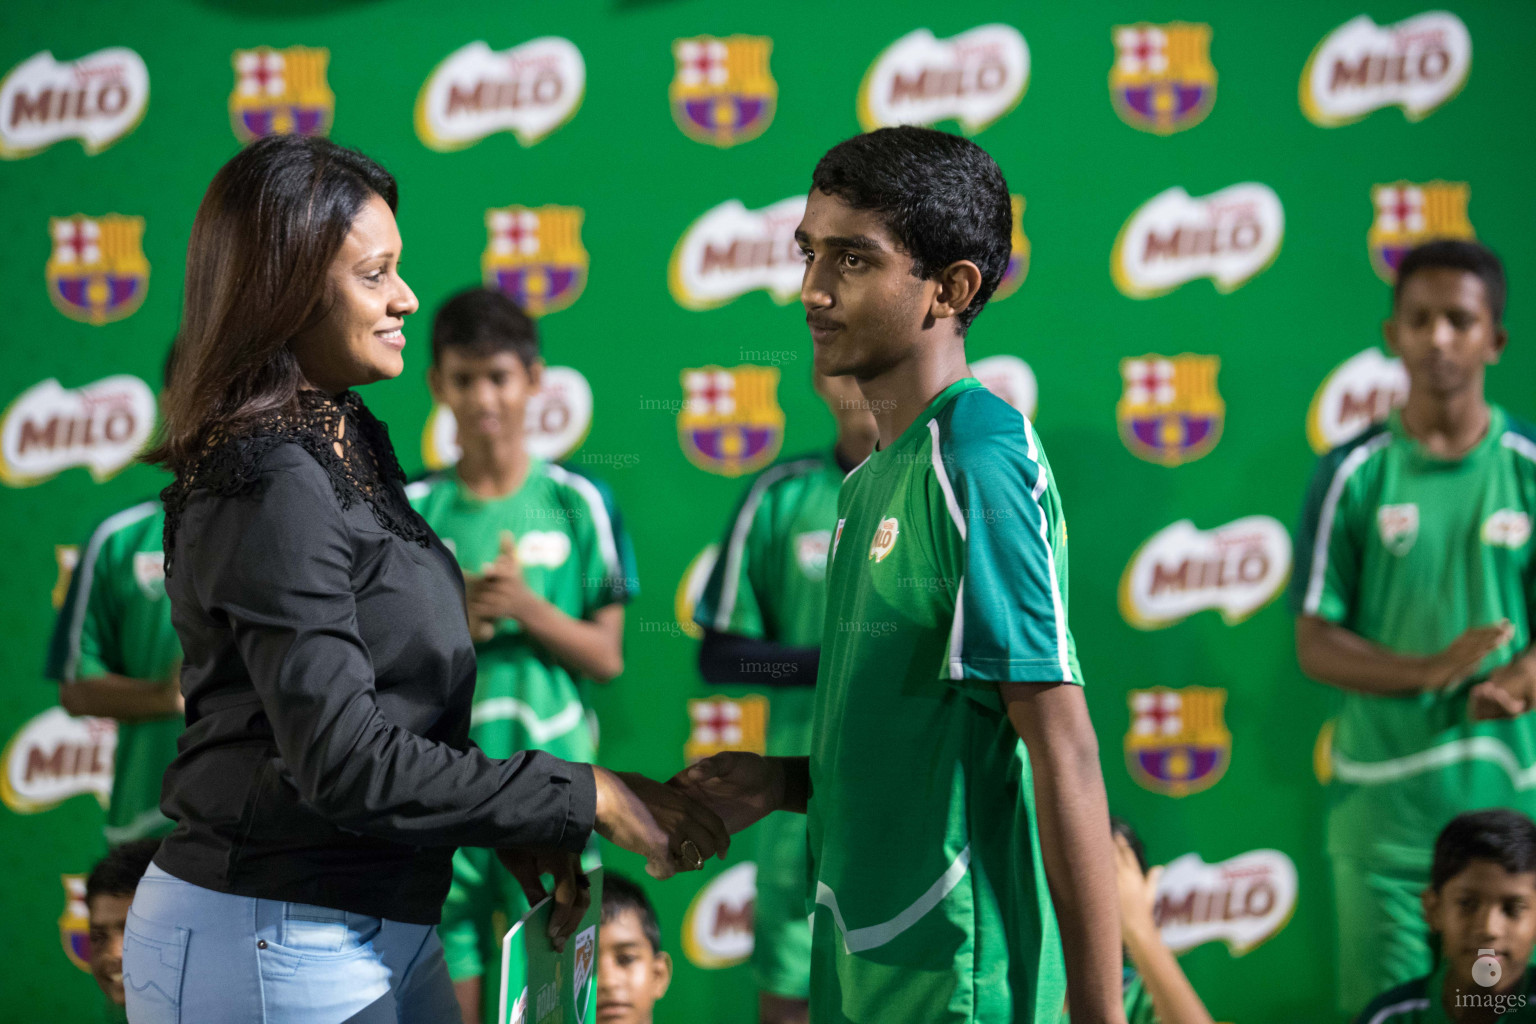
(1484, 907)
(108, 915)
(631, 975)
(865, 308)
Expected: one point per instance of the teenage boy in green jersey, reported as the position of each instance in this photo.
(761, 613)
(114, 655)
(1481, 907)
(952, 865)
(1413, 581)
(545, 590)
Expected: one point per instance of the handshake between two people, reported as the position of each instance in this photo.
(675, 825)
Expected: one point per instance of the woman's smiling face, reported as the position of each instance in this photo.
(360, 339)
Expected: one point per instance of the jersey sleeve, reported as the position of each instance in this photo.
(606, 578)
(628, 584)
(1328, 541)
(85, 639)
(732, 600)
(1000, 536)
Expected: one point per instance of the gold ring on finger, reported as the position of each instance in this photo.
(690, 851)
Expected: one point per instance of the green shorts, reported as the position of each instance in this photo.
(781, 932)
(1383, 940)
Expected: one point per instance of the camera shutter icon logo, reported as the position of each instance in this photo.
(1486, 970)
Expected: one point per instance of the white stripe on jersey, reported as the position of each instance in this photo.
(736, 547)
(1050, 555)
(944, 484)
(1353, 461)
(957, 628)
(1489, 749)
(607, 542)
(871, 936)
(540, 730)
(86, 567)
(1520, 444)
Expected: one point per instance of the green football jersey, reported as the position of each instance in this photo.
(769, 582)
(947, 576)
(1421, 1001)
(116, 618)
(572, 555)
(1408, 551)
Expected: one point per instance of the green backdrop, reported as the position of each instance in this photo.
(640, 182)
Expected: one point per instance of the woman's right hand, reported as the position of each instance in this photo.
(670, 830)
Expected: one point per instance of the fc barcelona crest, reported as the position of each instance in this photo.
(1409, 214)
(722, 92)
(97, 272)
(1018, 257)
(75, 922)
(1170, 412)
(535, 257)
(1162, 80)
(1178, 741)
(281, 92)
(731, 422)
(726, 723)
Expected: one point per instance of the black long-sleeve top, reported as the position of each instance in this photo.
(328, 678)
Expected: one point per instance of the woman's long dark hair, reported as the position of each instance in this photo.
(269, 227)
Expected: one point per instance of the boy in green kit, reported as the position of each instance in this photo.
(1481, 908)
(546, 576)
(1412, 592)
(115, 655)
(761, 613)
(961, 866)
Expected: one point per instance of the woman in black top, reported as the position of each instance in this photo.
(326, 774)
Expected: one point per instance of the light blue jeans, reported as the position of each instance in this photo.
(194, 955)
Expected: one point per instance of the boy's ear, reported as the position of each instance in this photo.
(1500, 339)
(1429, 900)
(535, 374)
(958, 284)
(661, 973)
(1389, 334)
(435, 383)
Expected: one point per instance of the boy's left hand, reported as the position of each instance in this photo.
(499, 591)
(1509, 691)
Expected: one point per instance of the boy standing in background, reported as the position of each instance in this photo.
(545, 591)
(1413, 593)
(762, 612)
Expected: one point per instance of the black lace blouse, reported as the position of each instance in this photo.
(328, 677)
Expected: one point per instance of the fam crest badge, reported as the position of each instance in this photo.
(1163, 80)
(731, 422)
(75, 922)
(1408, 214)
(1178, 741)
(97, 272)
(535, 257)
(1170, 412)
(722, 92)
(281, 92)
(1018, 257)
